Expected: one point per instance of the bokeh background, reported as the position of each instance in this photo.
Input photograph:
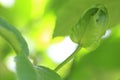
(46, 25)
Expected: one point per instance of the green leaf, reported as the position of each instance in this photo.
(55, 5)
(26, 71)
(24, 68)
(91, 27)
(70, 13)
(46, 73)
(14, 37)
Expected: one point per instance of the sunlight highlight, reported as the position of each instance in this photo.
(7, 3)
(11, 64)
(60, 51)
(107, 34)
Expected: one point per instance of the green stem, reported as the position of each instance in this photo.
(68, 59)
(13, 37)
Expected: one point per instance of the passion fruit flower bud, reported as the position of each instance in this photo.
(91, 27)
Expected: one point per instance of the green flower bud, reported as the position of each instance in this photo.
(91, 27)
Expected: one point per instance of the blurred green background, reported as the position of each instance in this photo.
(41, 20)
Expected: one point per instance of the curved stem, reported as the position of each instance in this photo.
(68, 59)
(13, 37)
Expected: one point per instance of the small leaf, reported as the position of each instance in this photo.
(91, 27)
(25, 69)
(47, 74)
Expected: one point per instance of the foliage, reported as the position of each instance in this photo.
(38, 22)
